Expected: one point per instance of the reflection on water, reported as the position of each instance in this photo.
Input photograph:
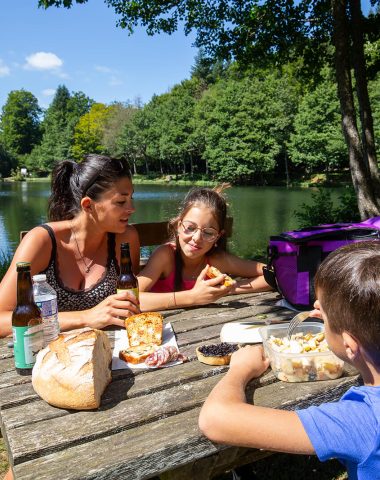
(258, 212)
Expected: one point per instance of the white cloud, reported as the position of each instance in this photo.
(48, 92)
(103, 69)
(43, 61)
(4, 69)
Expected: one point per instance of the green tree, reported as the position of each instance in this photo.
(19, 123)
(245, 124)
(317, 142)
(88, 133)
(120, 114)
(59, 122)
(7, 162)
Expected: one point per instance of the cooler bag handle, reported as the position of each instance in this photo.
(268, 270)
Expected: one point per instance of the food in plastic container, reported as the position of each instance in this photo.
(304, 358)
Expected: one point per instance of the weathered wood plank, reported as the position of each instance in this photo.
(134, 455)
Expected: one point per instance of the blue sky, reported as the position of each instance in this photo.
(83, 49)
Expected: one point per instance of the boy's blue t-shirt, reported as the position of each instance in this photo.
(348, 430)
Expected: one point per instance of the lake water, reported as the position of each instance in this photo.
(258, 212)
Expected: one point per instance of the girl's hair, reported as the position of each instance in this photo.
(72, 181)
(347, 284)
(199, 197)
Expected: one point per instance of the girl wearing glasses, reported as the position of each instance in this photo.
(78, 249)
(175, 275)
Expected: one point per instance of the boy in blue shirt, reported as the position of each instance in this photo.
(347, 287)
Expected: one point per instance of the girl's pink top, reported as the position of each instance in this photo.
(164, 285)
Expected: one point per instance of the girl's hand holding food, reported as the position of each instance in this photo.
(208, 290)
(112, 310)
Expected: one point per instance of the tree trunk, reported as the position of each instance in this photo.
(368, 137)
(359, 172)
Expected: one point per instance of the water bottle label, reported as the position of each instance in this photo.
(47, 307)
(51, 329)
(27, 343)
(134, 291)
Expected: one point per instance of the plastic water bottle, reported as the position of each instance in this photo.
(45, 298)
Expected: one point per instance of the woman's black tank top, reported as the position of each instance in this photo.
(75, 300)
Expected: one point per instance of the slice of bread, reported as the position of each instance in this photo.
(144, 329)
(136, 354)
(213, 272)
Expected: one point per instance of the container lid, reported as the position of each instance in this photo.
(236, 332)
(41, 277)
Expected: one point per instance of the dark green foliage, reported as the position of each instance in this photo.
(317, 143)
(244, 125)
(58, 125)
(7, 162)
(20, 124)
(322, 209)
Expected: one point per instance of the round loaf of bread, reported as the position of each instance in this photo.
(74, 369)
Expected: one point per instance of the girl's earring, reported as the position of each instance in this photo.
(215, 244)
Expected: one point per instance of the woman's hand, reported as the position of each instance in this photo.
(112, 310)
(248, 362)
(208, 290)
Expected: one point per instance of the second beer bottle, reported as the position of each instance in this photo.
(127, 279)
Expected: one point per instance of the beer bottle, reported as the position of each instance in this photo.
(26, 323)
(127, 279)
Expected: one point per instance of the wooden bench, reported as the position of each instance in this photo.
(155, 233)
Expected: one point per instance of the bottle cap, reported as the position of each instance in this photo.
(22, 266)
(41, 277)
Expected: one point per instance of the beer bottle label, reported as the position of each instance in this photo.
(134, 291)
(27, 343)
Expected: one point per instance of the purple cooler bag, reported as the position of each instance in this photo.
(294, 257)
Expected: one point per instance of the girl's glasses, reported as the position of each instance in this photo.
(208, 234)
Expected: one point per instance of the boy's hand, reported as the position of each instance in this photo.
(249, 362)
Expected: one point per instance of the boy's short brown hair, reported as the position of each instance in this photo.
(348, 286)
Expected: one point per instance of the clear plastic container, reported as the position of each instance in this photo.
(46, 299)
(300, 367)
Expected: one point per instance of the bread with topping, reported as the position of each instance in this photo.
(217, 353)
(136, 354)
(144, 329)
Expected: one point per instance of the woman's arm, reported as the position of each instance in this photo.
(251, 272)
(227, 418)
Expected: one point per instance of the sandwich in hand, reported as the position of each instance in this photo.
(213, 272)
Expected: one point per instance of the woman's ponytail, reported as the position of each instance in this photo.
(64, 202)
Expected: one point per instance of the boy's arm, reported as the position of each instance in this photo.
(227, 418)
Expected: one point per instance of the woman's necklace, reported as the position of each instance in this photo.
(87, 265)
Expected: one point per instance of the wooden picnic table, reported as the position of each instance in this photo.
(147, 425)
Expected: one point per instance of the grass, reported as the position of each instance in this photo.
(3, 458)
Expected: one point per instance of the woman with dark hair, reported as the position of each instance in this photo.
(78, 250)
(176, 273)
